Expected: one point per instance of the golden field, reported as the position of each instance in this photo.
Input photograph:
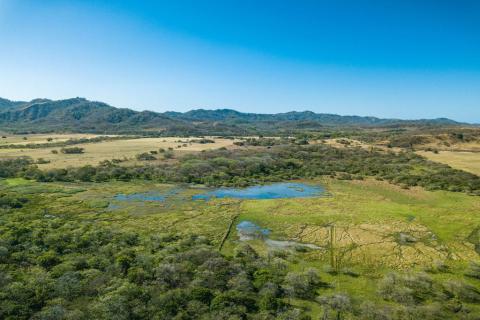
(43, 138)
(463, 160)
(107, 150)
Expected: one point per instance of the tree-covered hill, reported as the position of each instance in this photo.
(81, 115)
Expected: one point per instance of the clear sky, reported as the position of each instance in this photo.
(405, 58)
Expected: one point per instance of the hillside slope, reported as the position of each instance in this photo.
(82, 115)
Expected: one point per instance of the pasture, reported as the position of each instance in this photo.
(8, 139)
(463, 160)
(107, 150)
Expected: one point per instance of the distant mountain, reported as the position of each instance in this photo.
(323, 118)
(76, 114)
(7, 104)
(81, 115)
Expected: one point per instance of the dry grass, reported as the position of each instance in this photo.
(43, 138)
(468, 161)
(108, 150)
(337, 143)
(352, 143)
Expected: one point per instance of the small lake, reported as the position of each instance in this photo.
(284, 190)
(247, 230)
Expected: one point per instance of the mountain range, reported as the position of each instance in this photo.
(82, 115)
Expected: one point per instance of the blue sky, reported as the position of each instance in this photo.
(404, 59)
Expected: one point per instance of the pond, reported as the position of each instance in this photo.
(247, 230)
(284, 190)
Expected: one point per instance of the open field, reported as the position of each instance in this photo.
(108, 150)
(468, 161)
(44, 138)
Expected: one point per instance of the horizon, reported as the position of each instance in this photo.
(235, 110)
(406, 60)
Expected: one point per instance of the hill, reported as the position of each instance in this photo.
(82, 115)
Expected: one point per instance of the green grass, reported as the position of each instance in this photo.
(16, 182)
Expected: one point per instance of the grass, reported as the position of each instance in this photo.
(468, 161)
(108, 150)
(368, 213)
(43, 138)
(16, 182)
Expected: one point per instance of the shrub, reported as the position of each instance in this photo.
(42, 161)
(168, 155)
(145, 157)
(72, 150)
(473, 270)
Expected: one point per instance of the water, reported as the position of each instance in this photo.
(282, 190)
(247, 230)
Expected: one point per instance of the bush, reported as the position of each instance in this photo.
(145, 157)
(406, 289)
(302, 285)
(42, 161)
(72, 150)
(473, 270)
(168, 154)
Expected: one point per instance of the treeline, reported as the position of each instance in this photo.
(269, 142)
(245, 167)
(418, 138)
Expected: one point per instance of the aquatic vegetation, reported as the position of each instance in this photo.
(146, 196)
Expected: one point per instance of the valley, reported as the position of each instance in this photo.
(355, 229)
(239, 160)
